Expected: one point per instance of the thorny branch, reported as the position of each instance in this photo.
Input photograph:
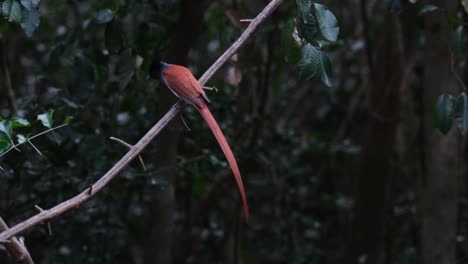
(16, 248)
(14, 146)
(74, 202)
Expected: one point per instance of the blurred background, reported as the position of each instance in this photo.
(363, 163)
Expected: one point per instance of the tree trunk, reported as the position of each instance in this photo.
(371, 200)
(442, 160)
(158, 249)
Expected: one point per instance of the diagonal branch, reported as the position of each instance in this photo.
(74, 202)
(17, 250)
(253, 26)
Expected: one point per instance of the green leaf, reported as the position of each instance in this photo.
(6, 7)
(445, 112)
(30, 22)
(393, 5)
(20, 122)
(465, 5)
(68, 119)
(13, 10)
(327, 22)
(308, 31)
(16, 14)
(310, 61)
(7, 128)
(104, 16)
(292, 49)
(457, 43)
(462, 113)
(5, 143)
(304, 6)
(326, 69)
(307, 25)
(427, 8)
(30, 4)
(21, 138)
(46, 118)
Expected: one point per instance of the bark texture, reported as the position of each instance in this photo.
(442, 160)
(368, 225)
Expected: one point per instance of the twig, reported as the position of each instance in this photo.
(210, 89)
(129, 146)
(247, 20)
(17, 250)
(34, 147)
(185, 123)
(49, 227)
(31, 138)
(144, 141)
(103, 181)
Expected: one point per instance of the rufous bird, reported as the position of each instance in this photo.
(184, 85)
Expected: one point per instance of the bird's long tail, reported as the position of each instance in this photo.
(211, 122)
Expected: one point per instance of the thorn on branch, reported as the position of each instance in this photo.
(34, 147)
(49, 227)
(210, 89)
(246, 20)
(14, 146)
(38, 208)
(130, 147)
(31, 138)
(82, 197)
(185, 124)
(90, 190)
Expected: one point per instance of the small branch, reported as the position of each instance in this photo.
(210, 89)
(143, 142)
(34, 147)
(128, 146)
(17, 250)
(49, 227)
(247, 20)
(74, 202)
(47, 131)
(31, 138)
(185, 123)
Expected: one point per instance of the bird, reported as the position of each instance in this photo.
(183, 84)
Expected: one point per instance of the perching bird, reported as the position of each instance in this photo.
(184, 85)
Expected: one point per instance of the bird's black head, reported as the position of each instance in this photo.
(156, 69)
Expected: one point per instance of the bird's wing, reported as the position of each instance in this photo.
(194, 83)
